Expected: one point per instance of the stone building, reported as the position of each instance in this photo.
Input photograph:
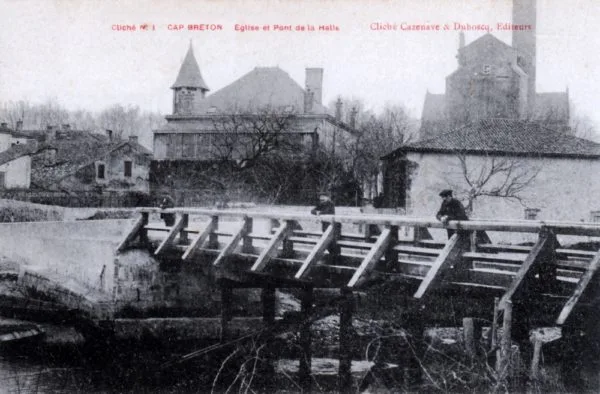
(261, 109)
(496, 80)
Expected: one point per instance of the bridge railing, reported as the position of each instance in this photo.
(522, 226)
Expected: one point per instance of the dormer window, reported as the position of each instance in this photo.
(487, 69)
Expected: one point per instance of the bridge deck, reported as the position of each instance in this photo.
(390, 248)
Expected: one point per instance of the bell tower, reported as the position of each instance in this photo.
(524, 14)
(189, 87)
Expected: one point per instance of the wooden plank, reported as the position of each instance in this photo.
(513, 257)
(316, 253)
(232, 244)
(449, 256)
(582, 285)
(131, 234)
(416, 250)
(355, 245)
(302, 240)
(376, 252)
(196, 243)
(541, 251)
(271, 249)
(179, 224)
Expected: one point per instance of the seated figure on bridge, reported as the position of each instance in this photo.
(451, 209)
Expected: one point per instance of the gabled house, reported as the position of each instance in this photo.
(84, 162)
(553, 175)
(15, 160)
(197, 123)
(264, 110)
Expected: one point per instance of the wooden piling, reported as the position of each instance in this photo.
(268, 368)
(535, 361)
(226, 299)
(493, 335)
(345, 366)
(305, 340)
(504, 353)
(469, 336)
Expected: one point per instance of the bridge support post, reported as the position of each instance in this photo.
(504, 353)
(305, 341)
(345, 367)
(143, 232)
(213, 239)
(226, 299)
(471, 335)
(267, 369)
(183, 235)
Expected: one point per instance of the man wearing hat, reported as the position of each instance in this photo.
(451, 209)
(325, 206)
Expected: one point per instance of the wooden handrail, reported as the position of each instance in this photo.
(523, 226)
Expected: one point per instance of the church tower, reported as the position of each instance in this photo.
(189, 87)
(524, 13)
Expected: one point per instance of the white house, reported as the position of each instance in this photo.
(513, 169)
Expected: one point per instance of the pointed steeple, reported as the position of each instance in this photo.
(189, 74)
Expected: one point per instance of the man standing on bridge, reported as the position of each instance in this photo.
(324, 207)
(451, 209)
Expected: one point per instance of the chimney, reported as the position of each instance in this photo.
(314, 83)
(338, 109)
(309, 97)
(133, 139)
(19, 125)
(353, 117)
(109, 134)
(461, 39)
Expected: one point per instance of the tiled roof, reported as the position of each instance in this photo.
(505, 136)
(189, 74)
(16, 151)
(263, 87)
(72, 155)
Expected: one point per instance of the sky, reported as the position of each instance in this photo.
(70, 51)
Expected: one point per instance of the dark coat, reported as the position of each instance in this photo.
(324, 208)
(453, 209)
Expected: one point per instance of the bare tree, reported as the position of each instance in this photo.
(494, 176)
(378, 134)
(243, 138)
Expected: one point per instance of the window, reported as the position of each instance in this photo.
(487, 69)
(595, 216)
(100, 171)
(531, 213)
(2, 179)
(127, 171)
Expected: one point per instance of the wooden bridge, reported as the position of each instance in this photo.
(543, 284)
